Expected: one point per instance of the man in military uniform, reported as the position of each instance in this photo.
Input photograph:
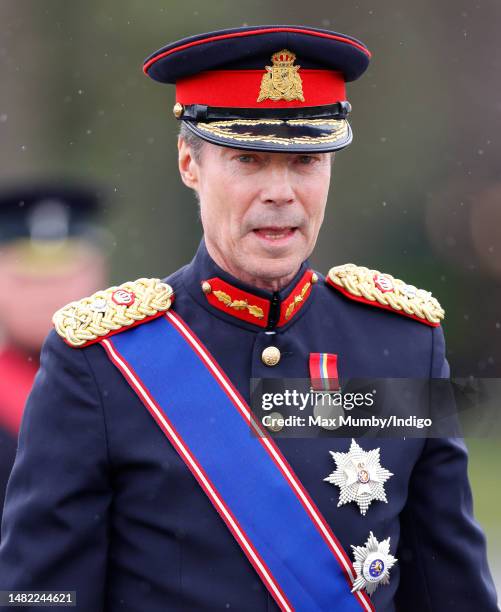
(50, 253)
(144, 481)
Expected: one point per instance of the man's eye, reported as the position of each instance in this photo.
(245, 159)
(305, 159)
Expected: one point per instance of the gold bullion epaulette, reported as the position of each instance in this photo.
(111, 310)
(382, 290)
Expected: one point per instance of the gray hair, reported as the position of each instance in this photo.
(195, 143)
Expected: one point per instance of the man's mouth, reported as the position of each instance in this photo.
(275, 233)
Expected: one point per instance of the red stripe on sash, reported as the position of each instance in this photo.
(275, 454)
(201, 476)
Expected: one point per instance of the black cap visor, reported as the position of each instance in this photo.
(276, 135)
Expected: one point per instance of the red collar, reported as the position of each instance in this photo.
(256, 309)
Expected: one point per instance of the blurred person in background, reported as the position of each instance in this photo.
(51, 250)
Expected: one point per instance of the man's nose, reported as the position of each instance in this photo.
(278, 188)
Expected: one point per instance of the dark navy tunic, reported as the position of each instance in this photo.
(100, 502)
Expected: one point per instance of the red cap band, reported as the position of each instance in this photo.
(240, 89)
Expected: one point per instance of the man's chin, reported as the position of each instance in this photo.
(272, 262)
(270, 269)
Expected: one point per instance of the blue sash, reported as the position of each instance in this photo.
(244, 475)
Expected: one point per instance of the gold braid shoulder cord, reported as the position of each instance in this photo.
(109, 310)
(90, 318)
(375, 286)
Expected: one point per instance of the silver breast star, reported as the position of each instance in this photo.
(359, 476)
(373, 562)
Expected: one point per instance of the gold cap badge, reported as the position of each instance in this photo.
(281, 81)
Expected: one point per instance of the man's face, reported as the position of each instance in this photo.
(261, 212)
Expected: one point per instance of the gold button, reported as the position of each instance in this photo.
(178, 110)
(270, 356)
(206, 288)
(314, 278)
(275, 421)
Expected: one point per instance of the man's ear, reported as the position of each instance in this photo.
(188, 167)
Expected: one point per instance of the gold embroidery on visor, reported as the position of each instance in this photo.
(338, 129)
